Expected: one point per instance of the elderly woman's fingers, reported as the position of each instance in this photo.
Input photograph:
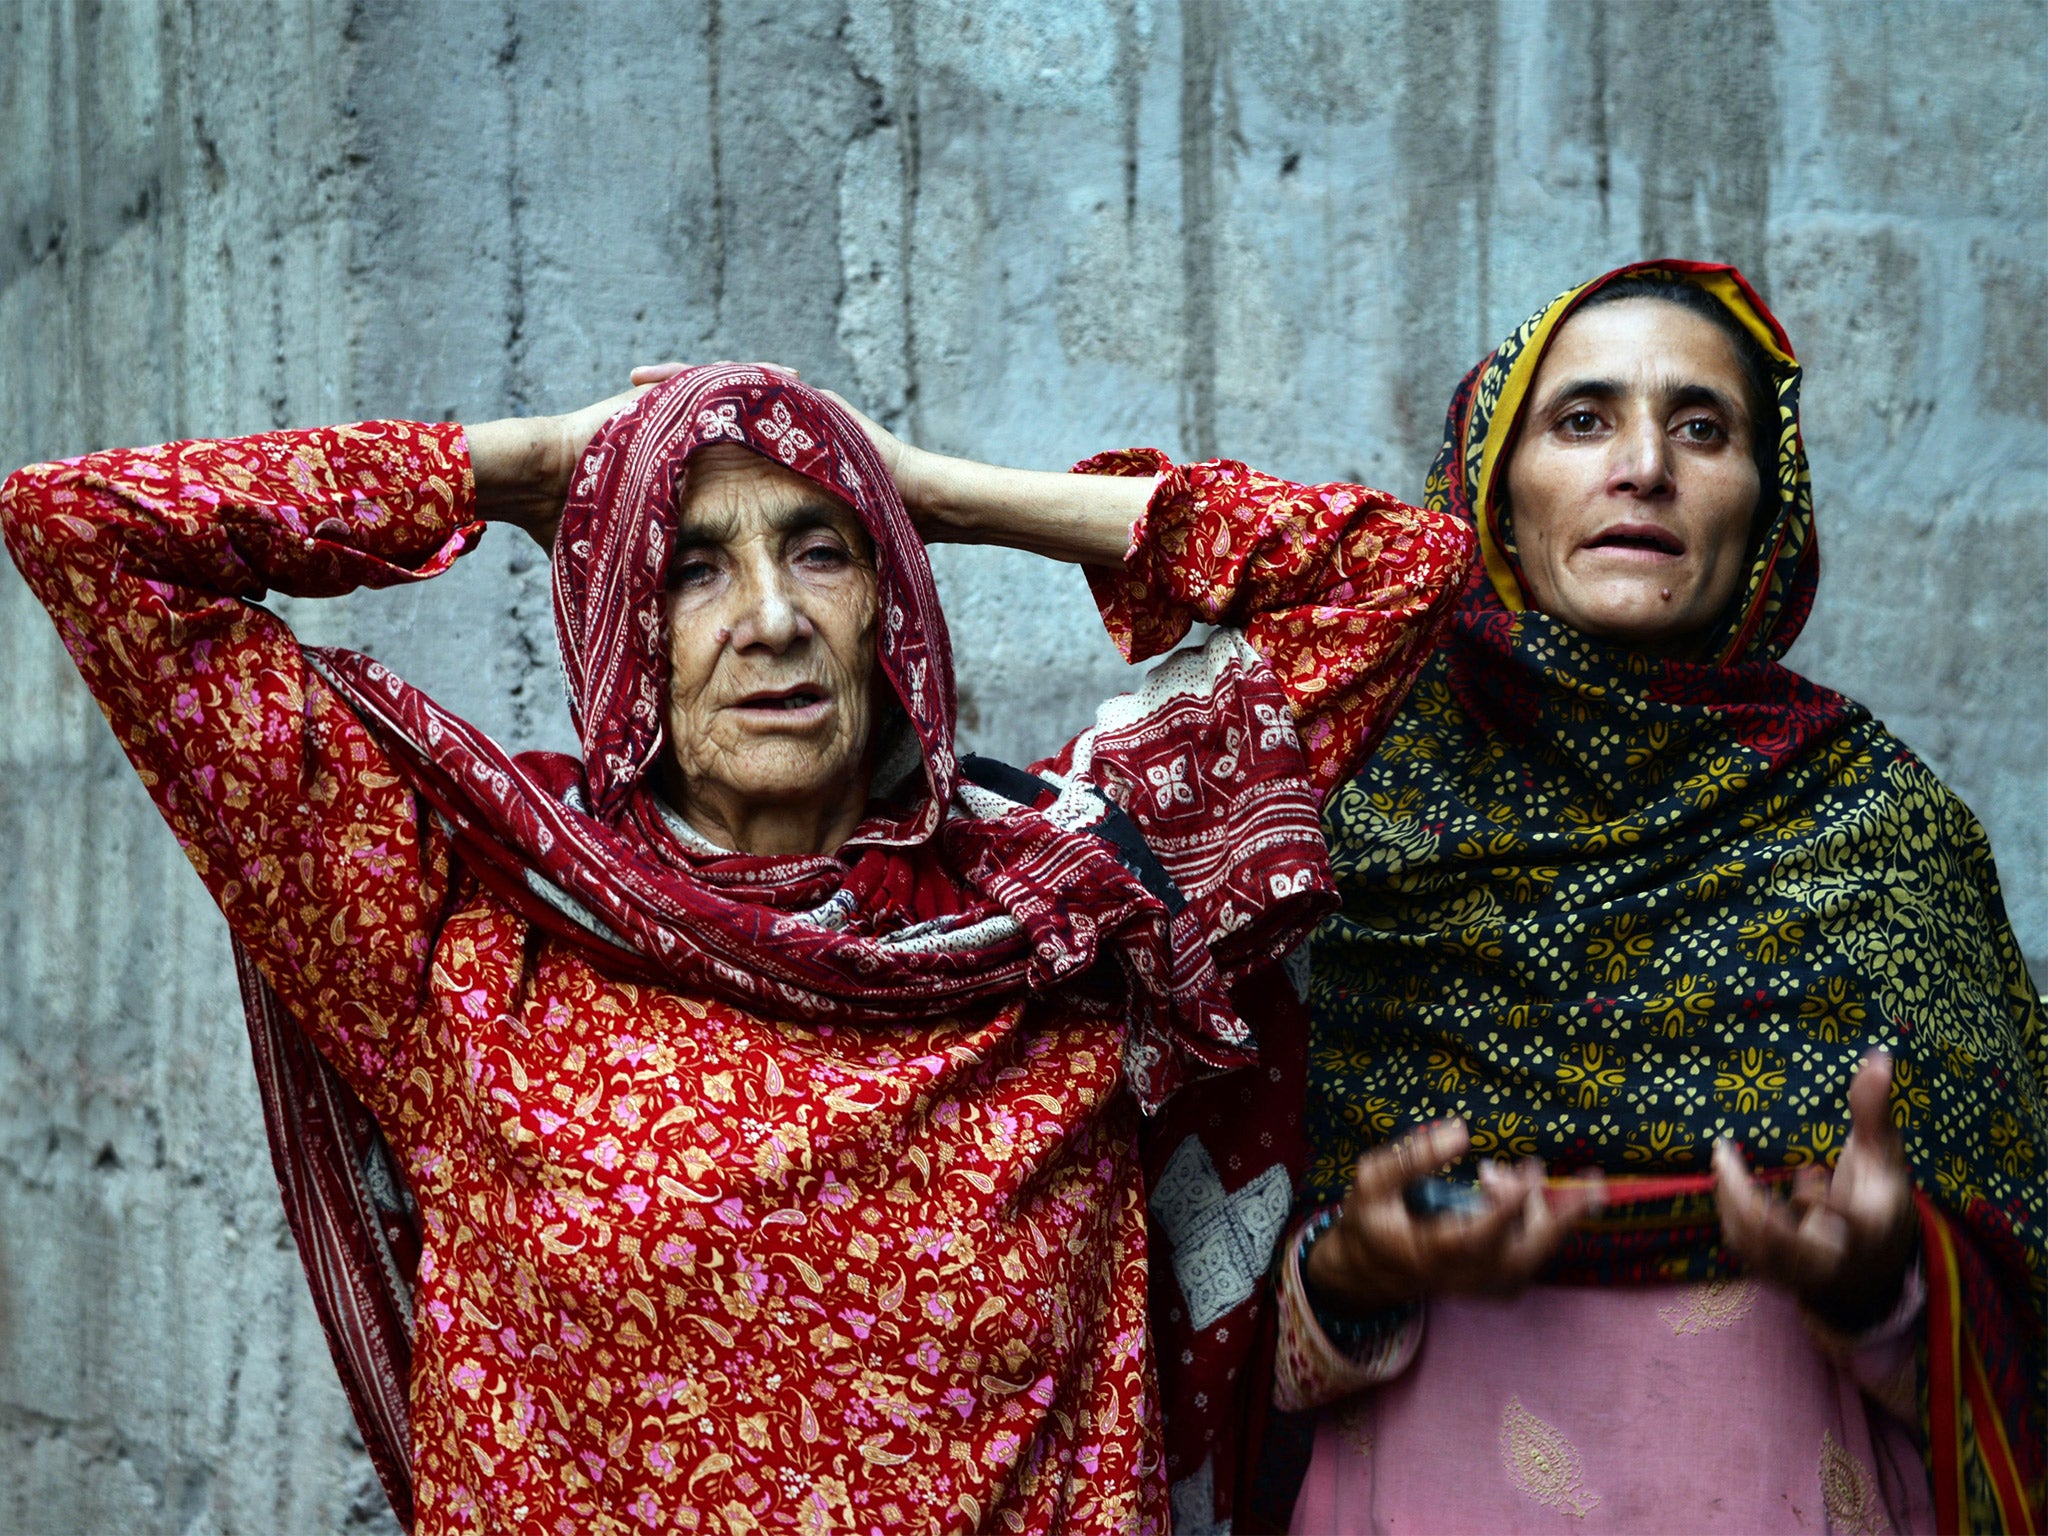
(656, 373)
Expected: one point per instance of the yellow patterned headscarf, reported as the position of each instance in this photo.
(1609, 907)
(1778, 591)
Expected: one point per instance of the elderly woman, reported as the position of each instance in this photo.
(1624, 895)
(767, 1079)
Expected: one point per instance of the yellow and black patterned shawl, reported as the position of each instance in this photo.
(1610, 907)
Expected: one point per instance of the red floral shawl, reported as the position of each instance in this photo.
(946, 896)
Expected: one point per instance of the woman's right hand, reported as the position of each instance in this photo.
(522, 465)
(1379, 1254)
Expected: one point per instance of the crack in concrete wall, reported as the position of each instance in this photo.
(1023, 229)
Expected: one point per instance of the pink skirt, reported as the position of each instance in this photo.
(1574, 1409)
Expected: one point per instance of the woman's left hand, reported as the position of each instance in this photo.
(1844, 1241)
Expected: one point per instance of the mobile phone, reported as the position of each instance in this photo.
(1433, 1196)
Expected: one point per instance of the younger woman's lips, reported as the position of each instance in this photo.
(1637, 541)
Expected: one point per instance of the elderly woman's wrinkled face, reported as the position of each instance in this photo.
(771, 645)
(1632, 485)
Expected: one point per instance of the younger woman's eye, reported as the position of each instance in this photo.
(1579, 422)
(1702, 429)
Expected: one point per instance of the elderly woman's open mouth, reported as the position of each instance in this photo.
(787, 701)
(798, 704)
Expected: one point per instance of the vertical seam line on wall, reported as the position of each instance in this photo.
(1483, 131)
(1199, 48)
(517, 388)
(714, 36)
(903, 40)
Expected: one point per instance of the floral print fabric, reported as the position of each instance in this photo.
(684, 1267)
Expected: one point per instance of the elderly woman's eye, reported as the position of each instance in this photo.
(823, 556)
(689, 571)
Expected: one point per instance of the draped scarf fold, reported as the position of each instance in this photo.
(1609, 907)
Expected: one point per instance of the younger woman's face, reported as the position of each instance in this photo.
(1632, 483)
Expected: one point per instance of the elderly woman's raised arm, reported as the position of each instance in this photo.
(150, 562)
(1343, 590)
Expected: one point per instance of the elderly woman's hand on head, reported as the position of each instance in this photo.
(1845, 1240)
(906, 465)
(1080, 519)
(522, 464)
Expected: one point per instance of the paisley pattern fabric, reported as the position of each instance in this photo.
(687, 1264)
(1344, 623)
(1610, 907)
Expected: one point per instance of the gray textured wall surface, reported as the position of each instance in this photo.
(1019, 229)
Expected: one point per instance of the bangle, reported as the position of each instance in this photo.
(1358, 1336)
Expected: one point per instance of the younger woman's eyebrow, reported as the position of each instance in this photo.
(1582, 389)
(1675, 395)
(1682, 395)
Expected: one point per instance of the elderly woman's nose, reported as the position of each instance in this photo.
(770, 613)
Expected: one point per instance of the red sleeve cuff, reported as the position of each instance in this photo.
(1139, 607)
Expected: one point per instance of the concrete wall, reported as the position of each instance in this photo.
(1016, 228)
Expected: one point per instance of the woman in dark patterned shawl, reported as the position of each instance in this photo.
(1626, 898)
